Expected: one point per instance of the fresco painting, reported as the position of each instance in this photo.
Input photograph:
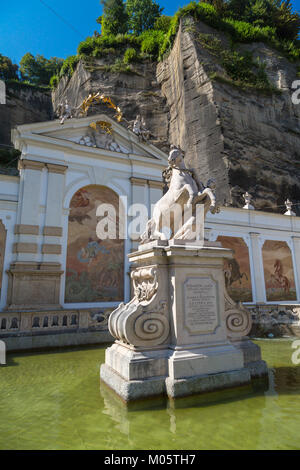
(2, 251)
(94, 268)
(237, 270)
(278, 271)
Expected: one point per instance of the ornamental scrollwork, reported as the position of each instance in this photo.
(145, 283)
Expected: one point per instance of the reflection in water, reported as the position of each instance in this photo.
(114, 408)
(55, 397)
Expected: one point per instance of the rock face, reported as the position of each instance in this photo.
(23, 106)
(135, 93)
(245, 140)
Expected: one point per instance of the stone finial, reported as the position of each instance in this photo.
(289, 206)
(248, 204)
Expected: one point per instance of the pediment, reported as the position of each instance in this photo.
(98, 132)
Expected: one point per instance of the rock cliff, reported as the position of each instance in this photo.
(246, 139)
(23, 106)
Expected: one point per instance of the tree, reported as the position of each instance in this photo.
(142, 14)
(277, 14)
(39, 70)
(114, 19)
(8, 70)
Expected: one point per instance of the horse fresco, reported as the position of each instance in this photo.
(233, 273)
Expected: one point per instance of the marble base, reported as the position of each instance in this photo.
(131, 390)
(174, 338)
(138, 374)
(206, 383)
(252, 358)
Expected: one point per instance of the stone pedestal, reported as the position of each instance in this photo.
(172, 338)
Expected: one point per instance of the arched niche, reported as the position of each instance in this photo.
(2, 251)
(278, 271)
(94, 267)
(237, 270)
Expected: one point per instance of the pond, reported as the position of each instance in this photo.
(53, 400)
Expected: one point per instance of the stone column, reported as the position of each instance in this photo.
(296, 262)
(33, 284)
(259, 294)
(28, 228)
(52, 231)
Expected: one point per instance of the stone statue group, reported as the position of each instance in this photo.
(176, 212)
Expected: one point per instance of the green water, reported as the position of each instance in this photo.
(53, 400)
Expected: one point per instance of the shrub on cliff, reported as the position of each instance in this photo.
(237, 29)
(130, 56)
(69, 66)
(151, 42)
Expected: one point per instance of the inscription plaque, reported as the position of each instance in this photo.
(201, 306)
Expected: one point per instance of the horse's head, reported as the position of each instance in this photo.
(176, 156)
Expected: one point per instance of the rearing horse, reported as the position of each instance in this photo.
(183, 194)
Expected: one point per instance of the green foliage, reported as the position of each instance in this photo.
(163, 23)
(18, 84)
(39, 70)
(142, 15)
(114, 19)
(277, 14)
(119, 67)
(151, 42)
(237, 29)
(54, 80)
(152, 34)
(8, 70)
(130, 56)
(240, 67)
(69, 66)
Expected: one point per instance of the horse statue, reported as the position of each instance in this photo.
(177, 209)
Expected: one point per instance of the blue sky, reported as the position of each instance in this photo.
(29, 26)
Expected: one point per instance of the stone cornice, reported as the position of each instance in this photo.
(156, 184)
(54, 168)
(30, 165)
(22, 229)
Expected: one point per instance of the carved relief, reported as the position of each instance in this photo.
(144, 321)
(145, 283)
(153, 326)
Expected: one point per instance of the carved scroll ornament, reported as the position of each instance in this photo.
(143, 321)
(237, 319)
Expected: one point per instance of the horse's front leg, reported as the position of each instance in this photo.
(192, 195)
(213, 205)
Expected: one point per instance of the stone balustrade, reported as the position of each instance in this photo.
(12, 323)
